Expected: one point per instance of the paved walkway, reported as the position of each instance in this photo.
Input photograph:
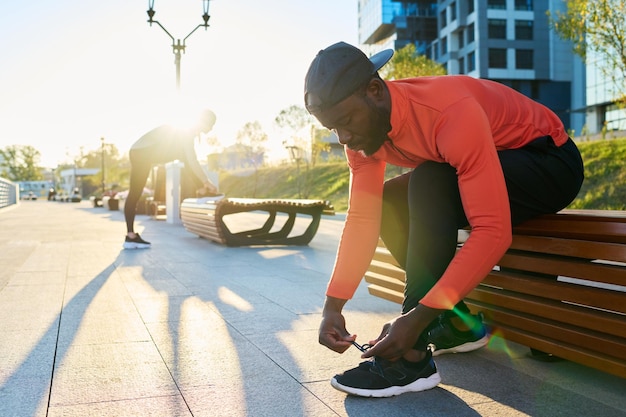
(191, 328)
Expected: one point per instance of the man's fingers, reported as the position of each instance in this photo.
(385, 348)
(336, 342)
(377, 350)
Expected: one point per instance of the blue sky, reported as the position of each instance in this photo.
(75, 71)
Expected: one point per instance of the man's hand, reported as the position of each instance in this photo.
(399, 335)
(332, 332)
(208, 190)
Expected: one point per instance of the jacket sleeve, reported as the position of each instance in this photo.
(192, 160)
(362, 226)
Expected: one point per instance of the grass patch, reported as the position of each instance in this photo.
(604, 187)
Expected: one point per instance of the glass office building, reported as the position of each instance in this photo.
(602, 90)
(508, 41)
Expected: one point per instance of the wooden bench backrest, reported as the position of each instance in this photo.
(560, 288)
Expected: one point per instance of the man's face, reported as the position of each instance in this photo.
(359, 123)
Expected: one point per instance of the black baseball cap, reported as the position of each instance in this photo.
(337, 72)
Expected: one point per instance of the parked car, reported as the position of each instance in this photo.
(30, 196)
(76, 197)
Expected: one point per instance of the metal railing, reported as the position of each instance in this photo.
(8, 193)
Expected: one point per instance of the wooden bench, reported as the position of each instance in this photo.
(95, 201)
(559, 289)
(207, 219)
(110, 203)
(155, 208)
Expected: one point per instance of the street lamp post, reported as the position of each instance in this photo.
(177, 45)
(102, 155)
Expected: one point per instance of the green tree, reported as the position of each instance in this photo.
(295, 122)
(298, 125)
(254, 138)
(318, 145)
(214, 149)
(407, 63)
(597, 27)
(116, 168)
(251, 139)
(21, 163)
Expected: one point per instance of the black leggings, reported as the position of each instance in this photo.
(141, 162)
(422, 209)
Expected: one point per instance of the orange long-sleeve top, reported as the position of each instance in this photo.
(457, 120)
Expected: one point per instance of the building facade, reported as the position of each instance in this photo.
(508, 41)
(602, 114)
(38, 189)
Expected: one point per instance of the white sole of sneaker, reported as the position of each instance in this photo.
(465, 347)
(421, 384)
(133, 245)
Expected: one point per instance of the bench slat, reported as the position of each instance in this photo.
(600, 321)
(565, 351)
(557, 331)
(576, 226)
(383, 255)
(390, 270)
(385, 281)
(568, 247)
(571, 267)
(385, 293)
(557, 290)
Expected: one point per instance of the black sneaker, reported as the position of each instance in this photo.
(378, 377)
(445, 338)
(136, 243)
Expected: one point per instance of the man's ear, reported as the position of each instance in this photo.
(376, 89)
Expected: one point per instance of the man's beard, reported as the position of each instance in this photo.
(381, 125)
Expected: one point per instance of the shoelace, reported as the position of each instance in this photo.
(362, 348)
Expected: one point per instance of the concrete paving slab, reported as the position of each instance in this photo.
(86, 374)
(29, 307)
(171, 406)
(26, 354)
(25, 397)
(38, 278)
(255, 398)
(26, 369)
(192, 328)
(94, 328)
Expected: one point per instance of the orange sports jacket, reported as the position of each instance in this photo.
(457, 120)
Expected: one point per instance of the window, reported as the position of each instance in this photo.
(470, 33)
(524, 59)
(444, 17)
(471, 61)
(461, 65)
(496, 4)
(444, 45)
(452, 11)
(497, 28)
(461, 39)
(470, 6)
(497, 58)
(524, 5)
(524, 29)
